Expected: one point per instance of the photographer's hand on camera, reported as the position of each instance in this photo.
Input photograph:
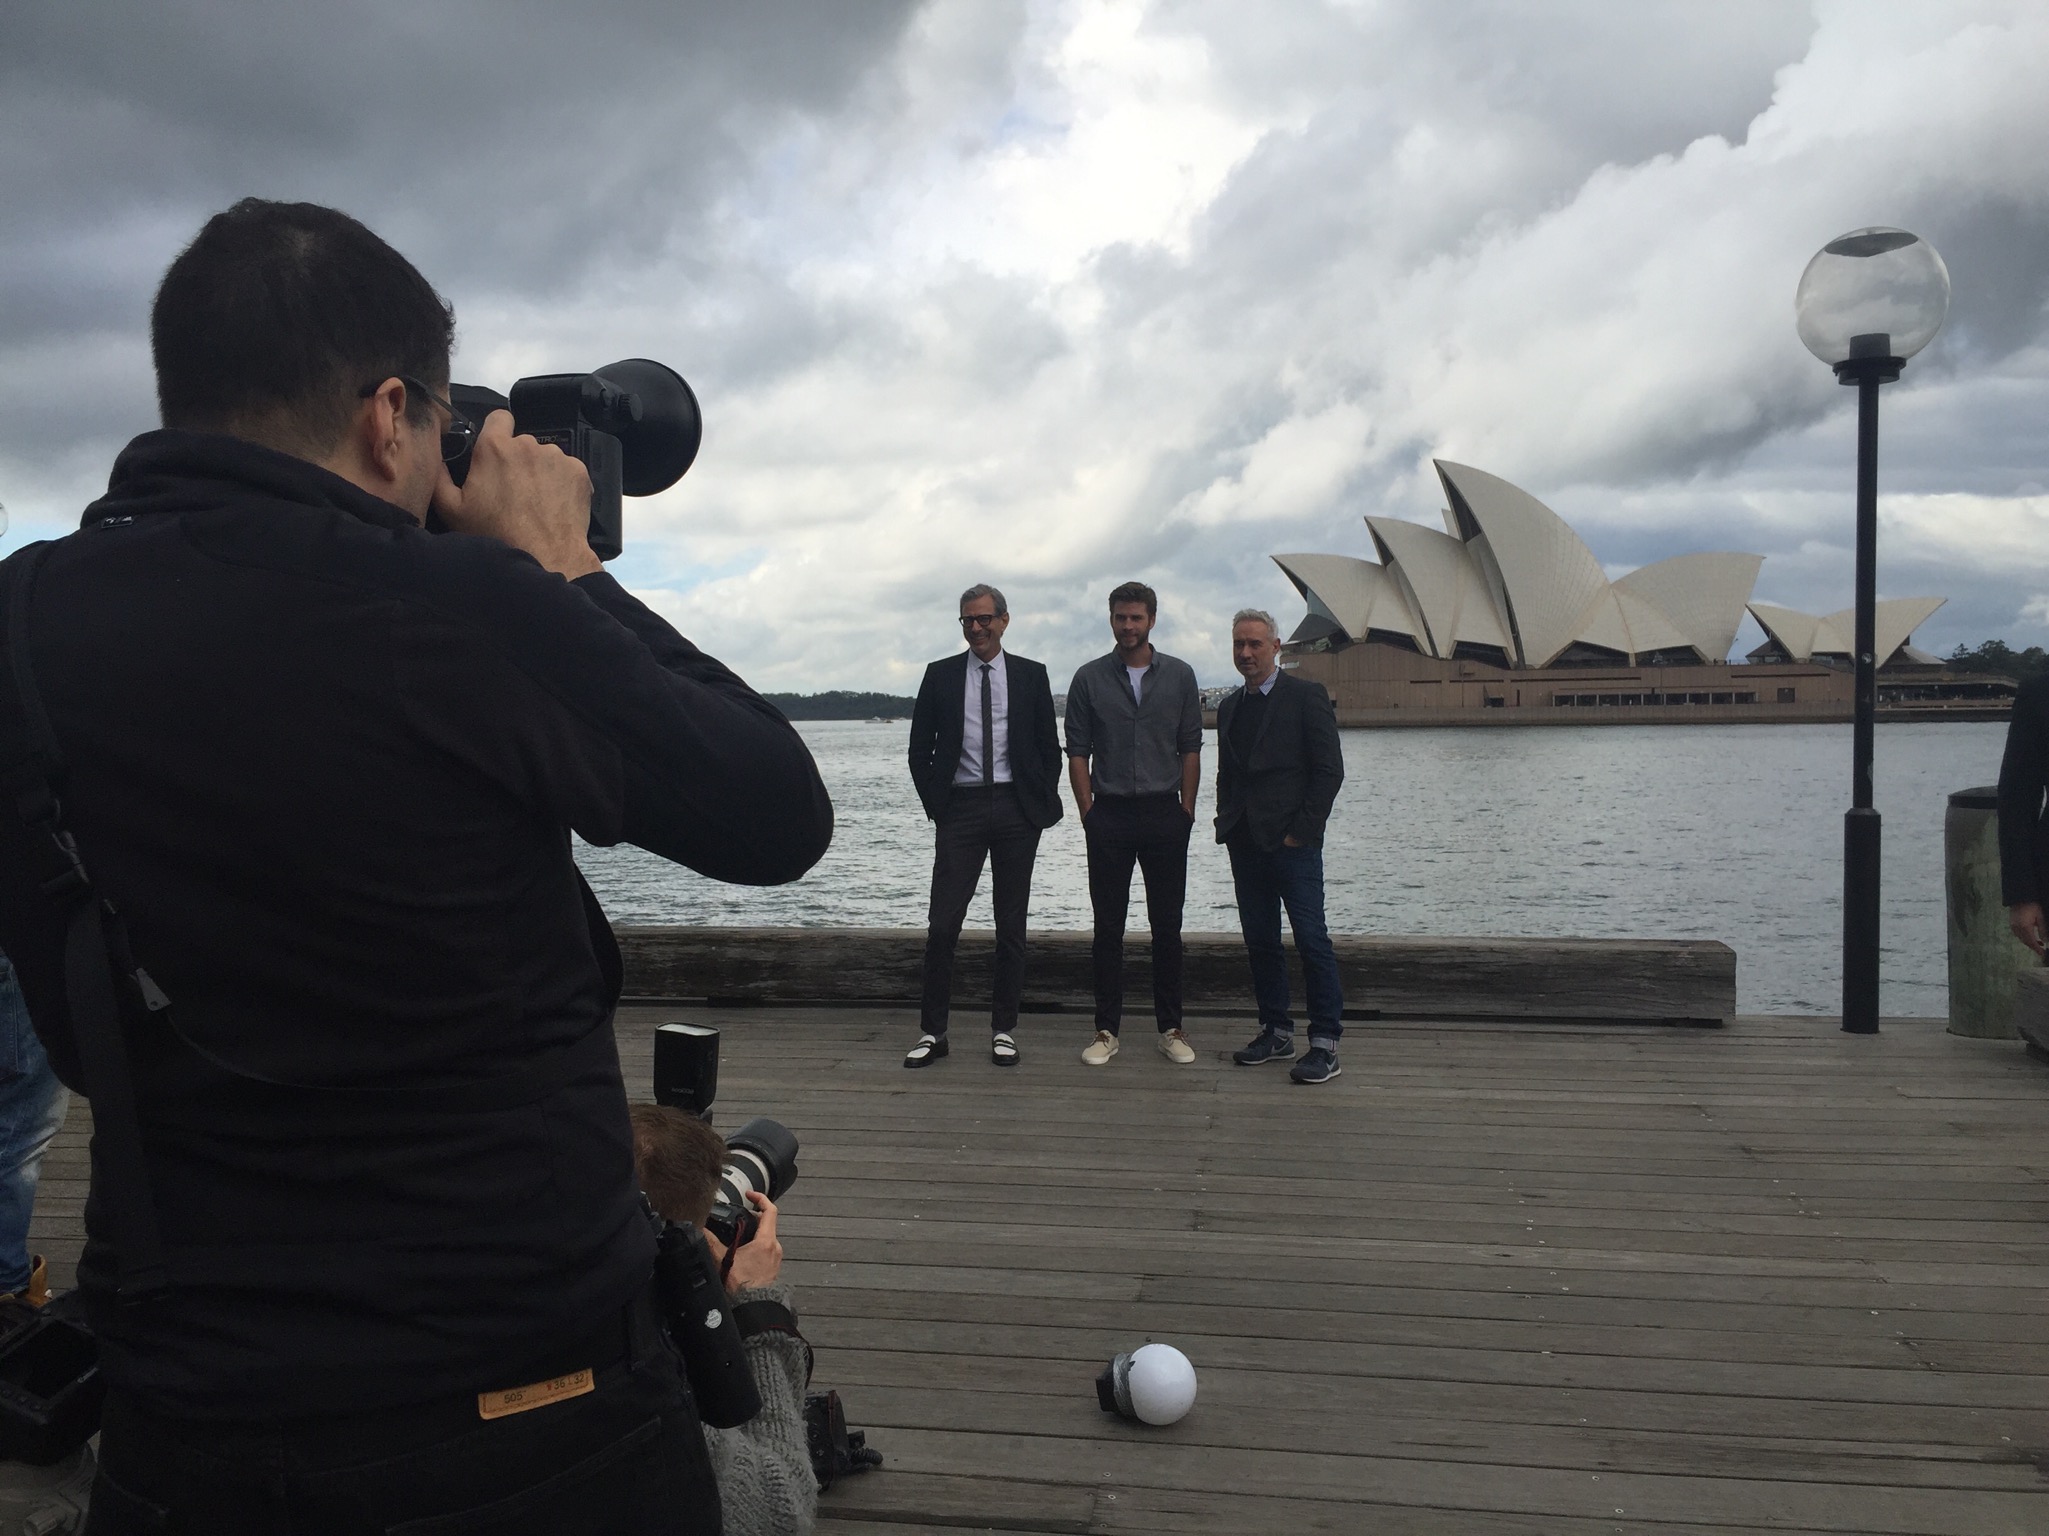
(525, 493)
(756, 1263)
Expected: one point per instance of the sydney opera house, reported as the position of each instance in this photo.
(1507, 610)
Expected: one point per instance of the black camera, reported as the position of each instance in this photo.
(761, 1155)
(634, 424)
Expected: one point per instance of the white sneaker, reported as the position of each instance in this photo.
(1175, 1047)
(1099, 1050)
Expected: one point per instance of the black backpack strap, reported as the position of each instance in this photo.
(97, 966)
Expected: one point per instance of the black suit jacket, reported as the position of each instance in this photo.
(2023, 779)
(938, 724)
(1284, 783)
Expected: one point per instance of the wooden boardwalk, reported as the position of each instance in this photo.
(1547, 1279)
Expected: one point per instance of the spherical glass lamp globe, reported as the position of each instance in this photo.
(1872, 293)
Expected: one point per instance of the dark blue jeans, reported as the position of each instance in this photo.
(32, 1105)
(1292, 878)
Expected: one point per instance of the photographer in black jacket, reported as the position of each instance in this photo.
(327, 766)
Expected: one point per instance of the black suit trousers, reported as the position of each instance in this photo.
(1151, 832)
(981, 823)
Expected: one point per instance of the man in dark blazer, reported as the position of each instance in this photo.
(2023, 830)
(985, 755)
(1279, 766)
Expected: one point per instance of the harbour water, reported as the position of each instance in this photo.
(1719, 832)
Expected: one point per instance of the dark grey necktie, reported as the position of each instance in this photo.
(988, 731)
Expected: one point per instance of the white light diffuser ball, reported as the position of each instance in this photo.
(1874, 292)
(1162, 1383)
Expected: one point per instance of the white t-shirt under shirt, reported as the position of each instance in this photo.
(1137, 676)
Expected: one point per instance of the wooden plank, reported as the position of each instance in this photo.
(1019, 1353)
(1716, 1329)
(1125, 1456)
(1496, 1279)
(1672, 1333)
(1290, 1408)
(1666, 979)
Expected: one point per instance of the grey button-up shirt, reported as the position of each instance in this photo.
(1135, 746)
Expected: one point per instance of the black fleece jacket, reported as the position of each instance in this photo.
(327, 766)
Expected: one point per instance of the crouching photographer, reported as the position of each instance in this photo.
(287, 875)
(766, 1482)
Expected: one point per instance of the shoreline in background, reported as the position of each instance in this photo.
(841, 704)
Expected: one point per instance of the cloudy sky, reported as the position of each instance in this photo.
(1055, 293)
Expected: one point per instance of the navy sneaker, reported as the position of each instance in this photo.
(1320, 1065)
(1267, 1045)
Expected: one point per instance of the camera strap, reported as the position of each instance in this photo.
(98, 967)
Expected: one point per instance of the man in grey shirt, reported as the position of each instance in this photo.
(1134, 758)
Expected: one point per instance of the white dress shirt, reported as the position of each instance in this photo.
(970, 770)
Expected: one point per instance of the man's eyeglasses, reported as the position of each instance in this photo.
(456, 437)
(978, 620)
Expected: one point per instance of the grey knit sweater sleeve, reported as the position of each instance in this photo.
(764, 1466)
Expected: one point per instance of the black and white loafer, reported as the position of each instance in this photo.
(1003, 1051)
(928, 1050)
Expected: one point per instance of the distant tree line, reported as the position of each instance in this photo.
(840, 704)
(1996, 656)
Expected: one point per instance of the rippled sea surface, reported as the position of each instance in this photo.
(1717, 832)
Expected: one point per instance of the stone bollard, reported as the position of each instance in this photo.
(1985, 959)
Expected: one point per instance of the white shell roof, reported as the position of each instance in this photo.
(1803, 636)
(1893, 623)
(1620, 621)
(1793, 630)
(1447, 589)
(1356, 594)
(1552, 579)
(1703, 596)
(1604, 625)
(1511, 574)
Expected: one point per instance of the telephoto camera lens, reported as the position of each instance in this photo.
(761, 1155)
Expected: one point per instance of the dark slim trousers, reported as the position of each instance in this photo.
(627, 1459)
(981, 823)
(1268, 880)
(1150, 831)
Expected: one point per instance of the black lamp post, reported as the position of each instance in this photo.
(1868, 301)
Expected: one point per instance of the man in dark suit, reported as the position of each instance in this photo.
(985, 755)
(1279, 766)
(2023, 830)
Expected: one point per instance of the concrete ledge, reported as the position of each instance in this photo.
(1676, 980)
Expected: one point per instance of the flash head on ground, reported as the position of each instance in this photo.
(1154, 1384)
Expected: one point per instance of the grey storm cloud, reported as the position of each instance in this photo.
(508, 146)
(511, 138)
(1059, 292)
